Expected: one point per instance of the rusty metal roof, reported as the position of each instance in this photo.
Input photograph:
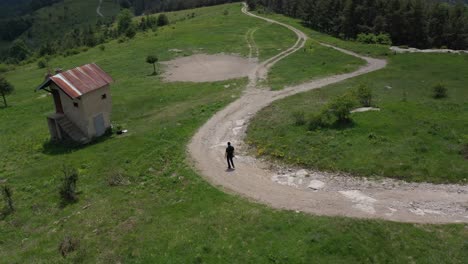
(79, 81)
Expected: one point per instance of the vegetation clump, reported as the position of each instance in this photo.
(363, 94)
(67, 191)
(439, 91)
(336, 112)
(6, 88)
(371, 38)
(68, 245)
(7, 194)
(163, 20)
(299, 118)
(152, 59)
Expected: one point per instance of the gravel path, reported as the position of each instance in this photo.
(313, 192)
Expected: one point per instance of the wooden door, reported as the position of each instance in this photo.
(57, 101)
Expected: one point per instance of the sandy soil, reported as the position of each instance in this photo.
(208, 68)
(315, 192)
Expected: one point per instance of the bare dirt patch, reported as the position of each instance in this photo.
(208, 68)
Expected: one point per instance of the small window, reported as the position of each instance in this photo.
(104, 96)
(75, 104)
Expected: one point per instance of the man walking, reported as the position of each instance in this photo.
(229, 155)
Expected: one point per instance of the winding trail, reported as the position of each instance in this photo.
(98, 9)
(318, 193)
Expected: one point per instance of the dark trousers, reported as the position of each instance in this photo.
(229, 161)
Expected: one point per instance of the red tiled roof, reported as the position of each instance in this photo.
(81, 80)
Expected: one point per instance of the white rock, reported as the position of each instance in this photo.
(301, 173)
(316, 185)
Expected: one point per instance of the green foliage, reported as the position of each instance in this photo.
(68, 245)
(67, 190)
(124, 21)
(6, 68)
(130, 32)
(363, 94)
(371, 38)
(439, 91)
(152, 59)
(420, 24)
(19, 51)
(7, 194)
(163, 20)
(299, 118)
(138, 222)
(415, 140)
(6, 88)
(41, 64)
(340, 107)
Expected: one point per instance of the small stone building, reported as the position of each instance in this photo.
(82, 101)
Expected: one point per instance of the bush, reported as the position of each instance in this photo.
(364, 95)
(341, 107)
(6, 68)
(439, 91)
(130, 32)
(7, 194)
(68, 245)
(370, 38)
(42, 63)
(102, 48)
(163, 20)
(299, 118)
(117, 178)
(67, 190)
(384, 39)
(320, 120)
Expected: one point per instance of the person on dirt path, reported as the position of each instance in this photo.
(229, 156)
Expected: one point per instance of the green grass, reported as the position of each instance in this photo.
(312, 62)
(416, 140)
(169, 214)
(272, 42)
(364, 49)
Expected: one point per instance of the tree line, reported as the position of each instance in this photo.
(156, 6)
(415, 23)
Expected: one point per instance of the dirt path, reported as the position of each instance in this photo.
(313, 192)
(98, 9)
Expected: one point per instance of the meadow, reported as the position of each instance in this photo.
(167, 213)
(414, 137)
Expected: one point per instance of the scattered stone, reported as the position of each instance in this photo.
(365, 109)
(316, 185)
(301, 173)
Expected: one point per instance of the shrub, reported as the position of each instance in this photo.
(68, 245)
(439, 91)
(42, 63)
(320, 120)
(341, 107)
(117, 178)
(102, 47)
(364, 95)
(299, 118)
(384, 39)
(7, 194)
(163, 20)
(226, 12)
(6, 68)
(130, 32)
(67, 190)
(370, 38)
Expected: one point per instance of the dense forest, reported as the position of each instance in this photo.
(415, 23)
(155, 6)
(26, 38)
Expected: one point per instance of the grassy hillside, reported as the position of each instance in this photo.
(54, 21)
(167, 213)
(414, 137)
